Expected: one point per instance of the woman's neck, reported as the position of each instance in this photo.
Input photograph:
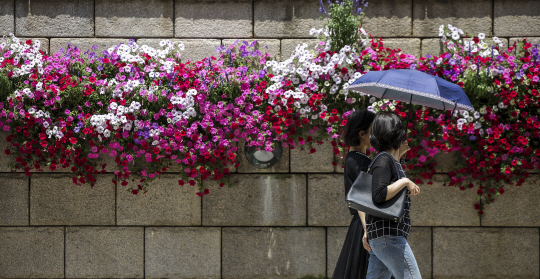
(359, 148)
(394, 153)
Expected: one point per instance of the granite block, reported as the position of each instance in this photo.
(213, 19)
(134, 18)
(319, 161)
(438, 205)
(513, 18)
(473, 16)
(273, 252)
(388, 18)
(286, 19)
(166, 203)
(31, 252)
(183, 252)
(13, 200)
(54, 18)
(104, 252)
(55, 200)
(326, 201)
(257, 200)
(485, 253)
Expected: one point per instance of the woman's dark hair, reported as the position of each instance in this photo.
(357, 121)
(387, 131)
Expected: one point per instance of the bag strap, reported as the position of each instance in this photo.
(391, 159)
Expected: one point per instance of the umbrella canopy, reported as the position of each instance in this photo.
(414, 87)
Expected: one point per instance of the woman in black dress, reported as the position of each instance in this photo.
(353, 259)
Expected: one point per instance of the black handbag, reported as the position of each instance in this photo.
(360, 197)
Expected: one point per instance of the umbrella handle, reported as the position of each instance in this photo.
(409, 114)
(452, 116)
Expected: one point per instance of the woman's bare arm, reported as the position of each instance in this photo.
(362, 218)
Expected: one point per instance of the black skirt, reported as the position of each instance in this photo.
(353, 259)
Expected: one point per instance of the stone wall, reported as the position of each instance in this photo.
(285, 222)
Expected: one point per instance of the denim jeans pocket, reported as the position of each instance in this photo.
(378, 244)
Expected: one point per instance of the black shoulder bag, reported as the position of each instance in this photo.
(360, 197)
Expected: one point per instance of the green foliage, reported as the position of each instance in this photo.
(345, 19)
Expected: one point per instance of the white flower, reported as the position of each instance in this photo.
(455, 36)
(476, 115)
(481, 36)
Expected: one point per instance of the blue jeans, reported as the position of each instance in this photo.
(391, 255)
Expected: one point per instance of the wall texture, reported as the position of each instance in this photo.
(285, 222)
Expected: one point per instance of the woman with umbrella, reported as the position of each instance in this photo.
(390, 253)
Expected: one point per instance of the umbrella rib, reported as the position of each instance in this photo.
(385, 89)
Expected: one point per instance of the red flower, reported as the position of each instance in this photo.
(477, 206)
(7, 151)
(134, 192)
(312, 150)
(181, 182)
(501, 191)
(192, 182)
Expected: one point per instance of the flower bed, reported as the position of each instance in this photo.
(150, 110)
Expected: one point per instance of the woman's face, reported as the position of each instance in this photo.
(404, 147)
(364, 138)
